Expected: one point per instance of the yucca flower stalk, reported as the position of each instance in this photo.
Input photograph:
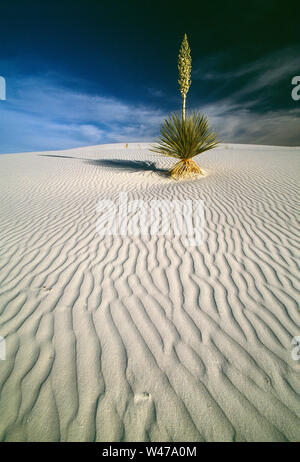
(183, 140)
(184, 68)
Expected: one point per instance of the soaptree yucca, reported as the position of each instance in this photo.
(185, 136)
(183, 140)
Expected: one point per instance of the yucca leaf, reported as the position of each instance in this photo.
(185, 139)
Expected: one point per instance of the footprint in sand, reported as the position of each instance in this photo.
(142, 397)
(141, 416)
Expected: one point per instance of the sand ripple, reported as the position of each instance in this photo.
(134, 339)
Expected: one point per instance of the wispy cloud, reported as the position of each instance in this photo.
(254, 78)
(51, 112)
(43, 114)
(155, 92)
(241, 125)
(274, 66)
(238, 116)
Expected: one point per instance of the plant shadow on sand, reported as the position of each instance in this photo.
(62, 157)
(130, 165)
(123, 164)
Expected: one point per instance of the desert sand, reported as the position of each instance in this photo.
(122, 338)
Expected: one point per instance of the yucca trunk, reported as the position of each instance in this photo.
(185, 168)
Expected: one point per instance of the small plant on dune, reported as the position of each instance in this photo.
(184, 140)
(185, 136)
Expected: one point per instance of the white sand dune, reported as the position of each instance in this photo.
(125, 339)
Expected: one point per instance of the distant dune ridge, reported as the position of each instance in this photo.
(131, 339)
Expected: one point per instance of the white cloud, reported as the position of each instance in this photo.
(42, 114)
(244, 126)
(236, 117)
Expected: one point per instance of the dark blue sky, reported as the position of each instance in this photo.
(92, 72)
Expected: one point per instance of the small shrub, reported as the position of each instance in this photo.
(183, 140)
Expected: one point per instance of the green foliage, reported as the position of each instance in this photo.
(185, 139)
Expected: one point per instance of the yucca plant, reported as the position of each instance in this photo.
(185, 139)
(185, 136)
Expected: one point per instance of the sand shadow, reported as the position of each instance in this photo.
(129, 165)
(122, 164)
(63, 157)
